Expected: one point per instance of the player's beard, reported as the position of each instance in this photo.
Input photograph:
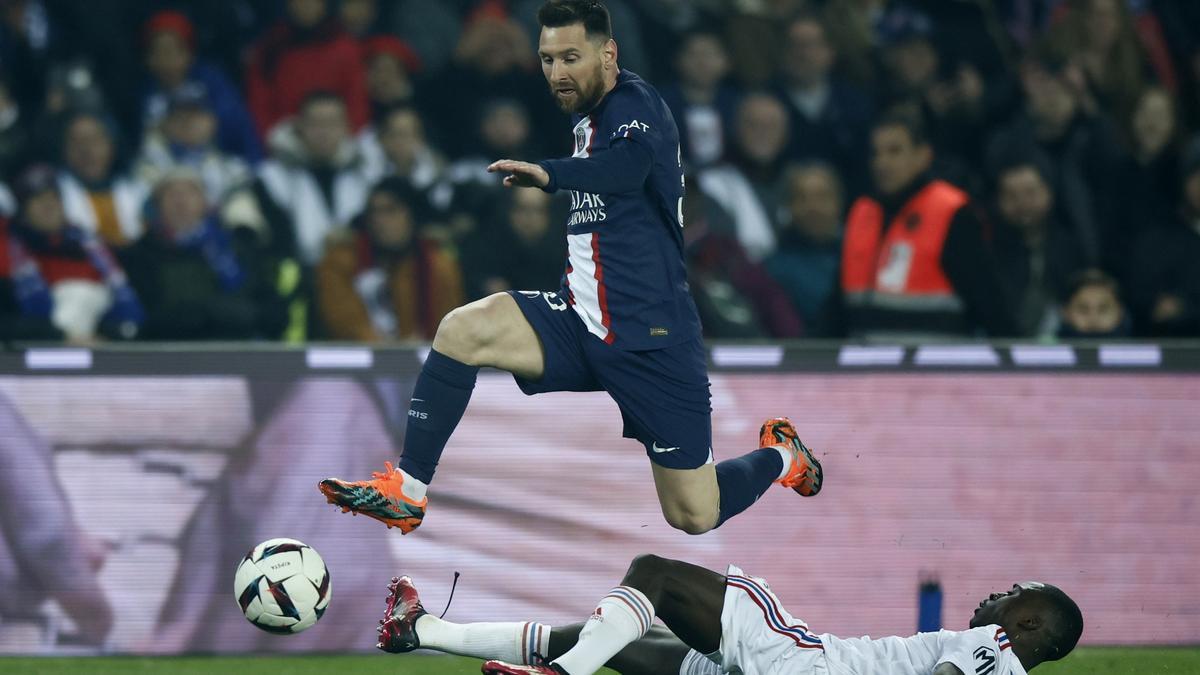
(586, 95)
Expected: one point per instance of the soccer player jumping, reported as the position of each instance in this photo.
(623, 320)
(733, 623)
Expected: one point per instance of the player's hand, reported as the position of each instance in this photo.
(520, 174)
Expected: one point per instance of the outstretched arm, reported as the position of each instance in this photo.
(621, 168)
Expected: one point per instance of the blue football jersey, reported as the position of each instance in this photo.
(625, 274)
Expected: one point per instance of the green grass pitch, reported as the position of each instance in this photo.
(1086, 661)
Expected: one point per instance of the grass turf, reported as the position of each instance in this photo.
(1086, 661)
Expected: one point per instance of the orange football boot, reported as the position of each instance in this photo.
(379, 498)
(806, 475)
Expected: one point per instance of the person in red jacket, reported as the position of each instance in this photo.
(306, 51)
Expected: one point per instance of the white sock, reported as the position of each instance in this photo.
(621, 617)
(513, 642)
(411, 487)
(787, 460)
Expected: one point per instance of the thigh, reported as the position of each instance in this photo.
(759, 636)
(556, 331)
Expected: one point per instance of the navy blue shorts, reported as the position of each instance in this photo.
(663, 393)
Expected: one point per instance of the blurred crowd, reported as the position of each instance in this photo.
(316, 169)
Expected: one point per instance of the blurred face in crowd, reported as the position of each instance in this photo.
(808, 56)
(1050, 99)
(1024, 198)
(357, 15)
(323, 128)
(505, 127)
(494, 45)
(389, 220)
(762, 128)
(44, 212)
(702, 61)
(529, 214)
(89, 150)
(1153, 121)
(575, 65)
(1102, 23)
(897, 159)
(387, 80)
(190, 127)
(815, 203)
(914, 63)
(1094, 308)
(402, 137)
(306, 13)
(168, 58)
(181, 204)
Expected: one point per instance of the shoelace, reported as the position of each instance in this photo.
(386, 473)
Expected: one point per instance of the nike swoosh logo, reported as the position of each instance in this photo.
(654, 447)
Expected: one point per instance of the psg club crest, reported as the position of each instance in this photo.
(580, 137)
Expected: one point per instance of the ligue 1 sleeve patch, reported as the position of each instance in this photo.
(655, 331)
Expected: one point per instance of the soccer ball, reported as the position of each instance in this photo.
(282, 586)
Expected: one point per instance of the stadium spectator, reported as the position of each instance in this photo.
(520, 249)
(810, 244)
(1151, 181)
(1083, 148)
(1037, 255)
(747, 185)
(360, 18)
(504, 131)
(1092, 308)
(316, 180)
(63, 273)
(701, 100)
(305, 52)
(187, 137)
(829, 118)
(391, 64)
(735, 297)
(196, 280)
(1100, 38)
(1164, 274)
(30, 40)
(914, 260)
(15, 142)
(172, 65)
(95, 195)
(754, 39)
(397, 146)
(383, 280)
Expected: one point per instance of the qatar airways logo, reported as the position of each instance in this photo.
(586, 208)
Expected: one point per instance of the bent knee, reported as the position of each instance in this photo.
(466, 332)
(691, 521)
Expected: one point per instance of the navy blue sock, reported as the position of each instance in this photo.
(744, 479)
(439, 401)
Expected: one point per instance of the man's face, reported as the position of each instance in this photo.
(1024, 198)
(390, 221)
(914, 63)
(322, 128)
(574, 66)
(402, 138)
(896, 161)
(530, 214)
(44, 212)
(762, 129)
(1050, 99)
(703, 62)
(191, 127)
(815, 204)
(1002, 606)
(1094, 309)
(89, 149)
(387, 80)
(168, 58)
(808, 55)
(505, 127)
(306, 13)
(181, 205)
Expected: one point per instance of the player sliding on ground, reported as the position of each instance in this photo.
(733, 623)
(623, 320)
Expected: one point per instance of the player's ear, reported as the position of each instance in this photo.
(609, 53)
(1030, 622)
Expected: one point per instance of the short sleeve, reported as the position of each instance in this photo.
(974, 652)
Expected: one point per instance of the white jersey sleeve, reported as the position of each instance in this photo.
(981, 651)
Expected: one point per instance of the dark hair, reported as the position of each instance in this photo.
(907, 119)
(1022, 158)
(1082, 280)
(1065, 624)
(591, 13)
(320, 96)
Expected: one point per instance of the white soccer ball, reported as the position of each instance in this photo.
(282, 586)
